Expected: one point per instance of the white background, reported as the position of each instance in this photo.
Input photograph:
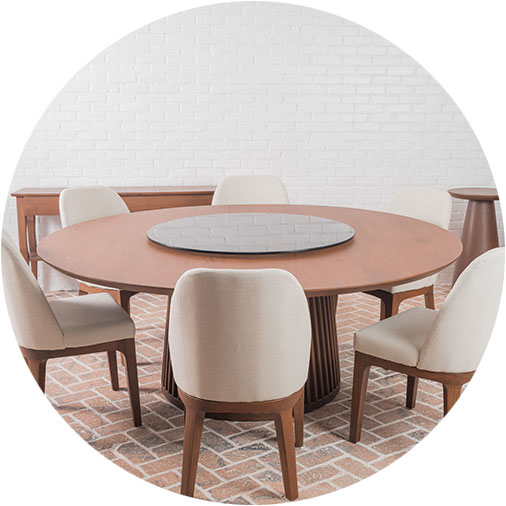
(460, 43)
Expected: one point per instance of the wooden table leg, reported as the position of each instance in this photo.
(32, 243)
(478, 235)
(324, 374)
(23, 244)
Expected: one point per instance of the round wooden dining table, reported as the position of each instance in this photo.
(386, 250)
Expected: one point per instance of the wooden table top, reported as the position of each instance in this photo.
(474, 193)
(122, 190)
(387, 249)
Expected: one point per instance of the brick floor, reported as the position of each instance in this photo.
(239, 460)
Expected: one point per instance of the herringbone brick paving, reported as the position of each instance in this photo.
(239, 460)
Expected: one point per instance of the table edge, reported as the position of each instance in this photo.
(309, 292)
(135, 191)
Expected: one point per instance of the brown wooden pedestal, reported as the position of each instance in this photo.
(323, 380)
(480, 226)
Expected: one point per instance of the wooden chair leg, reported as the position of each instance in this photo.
(451, 394)
(298, 418)
(396, 302)
(390, 303)
(82, 289)
(429, 298)
(411, 392)
(386, 306)
(123, 299)
(113, 369)
(193, 423)
(38, 370)
(286, 445)
(128, 350)
(360, 378)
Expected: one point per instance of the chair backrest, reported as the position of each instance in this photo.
(252, 189)
(460, 333)
(239, 335)
(86, 203)
(33, 321)
(426, 204)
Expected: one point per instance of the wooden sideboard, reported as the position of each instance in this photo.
(32, 202)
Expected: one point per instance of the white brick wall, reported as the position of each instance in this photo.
(339, 113)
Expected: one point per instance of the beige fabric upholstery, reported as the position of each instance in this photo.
(89, 203)
(254, 189)
(426, 204)
(398, 338)
(413, 285)
(56, 325)
(421, 203)
(33, 321)
(92, 319)
(86, 203)
(452, 339)
(460, 334)
(239, 335)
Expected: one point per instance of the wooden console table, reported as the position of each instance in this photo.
(32, 202)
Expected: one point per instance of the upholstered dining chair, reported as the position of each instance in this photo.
(426, 204)
(67, 327)
(239, 344)
(250, 189)
(85, 203)
(444, 346)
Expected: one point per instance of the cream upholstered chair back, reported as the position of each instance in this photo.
(460, 333)
(251, 189)
(426, 204)
(239, 335)
(33, 321)
(89, 203)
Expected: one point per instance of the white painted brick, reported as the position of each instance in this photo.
(341, 115)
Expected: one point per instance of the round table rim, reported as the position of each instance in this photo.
(474, 193)
(110, 283)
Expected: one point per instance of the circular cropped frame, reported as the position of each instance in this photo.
(344, 118)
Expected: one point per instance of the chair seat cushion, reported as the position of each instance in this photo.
(92, 319)
(398, 338)
(413, 285)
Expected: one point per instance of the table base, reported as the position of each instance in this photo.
(323, 380)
